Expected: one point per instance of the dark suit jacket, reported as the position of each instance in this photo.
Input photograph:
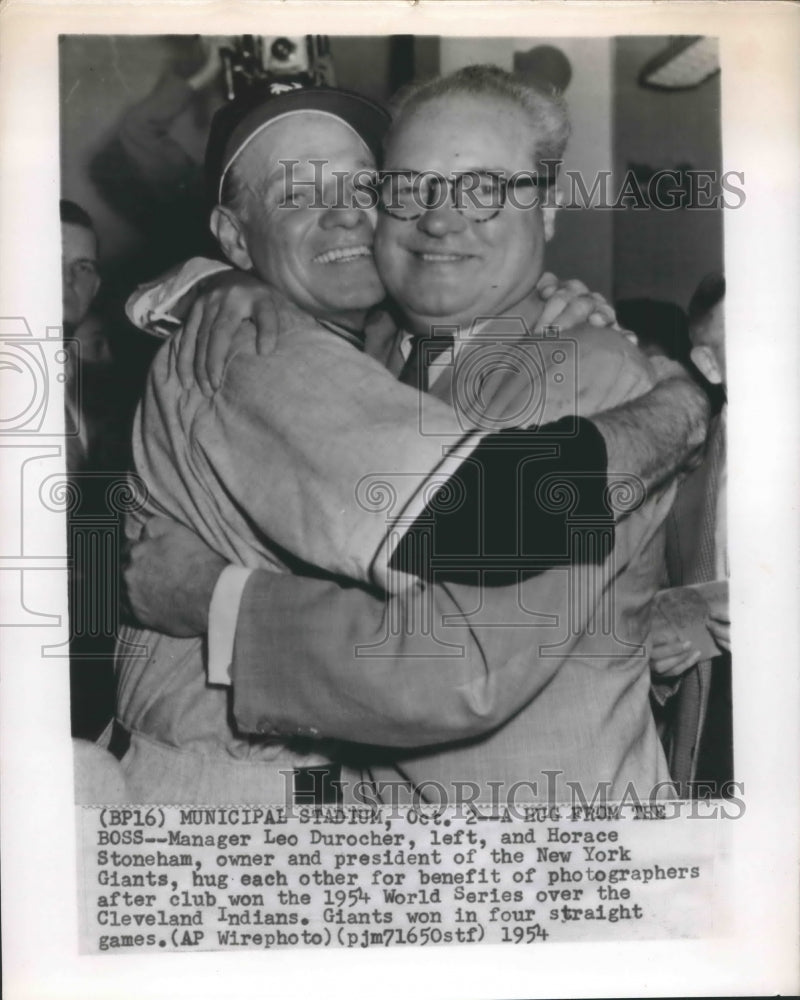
(697, 736)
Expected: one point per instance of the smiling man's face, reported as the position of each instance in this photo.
(320, 258)
(442, 267)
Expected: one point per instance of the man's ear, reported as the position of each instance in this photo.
(554, 202)
(706, 363)
(229, 233)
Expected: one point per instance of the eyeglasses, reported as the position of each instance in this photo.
(479, 195)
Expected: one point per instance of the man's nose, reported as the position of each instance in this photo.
(441, 221)
(344, 217)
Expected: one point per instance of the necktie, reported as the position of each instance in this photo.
(423, 351)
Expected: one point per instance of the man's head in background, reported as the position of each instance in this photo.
(478, 249)
(707, 328)
(661, 328)
(298, 225)
(79, 265)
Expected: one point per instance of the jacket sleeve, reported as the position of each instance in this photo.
(458, 653)
(313, 658)
(153, 307)
(299, 439)
(516, 504)
(448, 660)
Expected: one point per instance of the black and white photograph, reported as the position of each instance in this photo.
(404, 597)
(519, 642)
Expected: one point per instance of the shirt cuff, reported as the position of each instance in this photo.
(223, 614)
(148, 308)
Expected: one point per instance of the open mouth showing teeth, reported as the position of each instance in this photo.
(442, 258)
(342, 255)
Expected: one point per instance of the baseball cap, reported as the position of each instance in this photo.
(236, 124)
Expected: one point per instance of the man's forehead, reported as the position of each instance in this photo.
(478, 130)
(304, 137)
(78, 240)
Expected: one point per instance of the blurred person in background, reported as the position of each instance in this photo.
(661, 328)
(98, 415)
(94, 404)
(151, 169)
(699, 724)
(80, 283)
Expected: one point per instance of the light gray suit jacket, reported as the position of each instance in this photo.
(544, 683)
(273, 471)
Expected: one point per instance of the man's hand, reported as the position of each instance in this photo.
(170, 578)
(226, 301)
(670, 656)
(570, 303)
(719, 625)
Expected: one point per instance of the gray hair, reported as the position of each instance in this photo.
(234, 192)
(547, 112)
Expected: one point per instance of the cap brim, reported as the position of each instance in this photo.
(233, 126)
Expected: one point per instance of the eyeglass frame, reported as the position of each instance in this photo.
(531, 179)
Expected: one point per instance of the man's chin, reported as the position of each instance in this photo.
(349, 299)
(431, 312)
(355, 305)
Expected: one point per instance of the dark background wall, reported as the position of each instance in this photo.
(662, 254)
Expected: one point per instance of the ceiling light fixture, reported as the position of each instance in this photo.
(686, 62)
